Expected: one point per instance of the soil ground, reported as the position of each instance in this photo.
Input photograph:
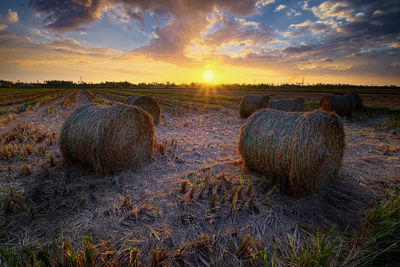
(144, 205)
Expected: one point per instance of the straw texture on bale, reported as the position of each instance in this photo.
(300, 151)
(108, 138)
(251, 103)
(148, 103)
(341, 104)
(287, 104)
(356, 100)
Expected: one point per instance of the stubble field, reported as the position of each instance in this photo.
(193, 203)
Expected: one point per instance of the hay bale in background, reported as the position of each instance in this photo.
(108, 138)
(148, 103)
(287, 104)
(251, 103)
(302, 151)
(341, 104)
(357, 101)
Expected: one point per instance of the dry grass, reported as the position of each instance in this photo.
(7, 119)
(96, 98)
(49, 98)
(51, 110)
(391, 124)
(24, 140)
(28, 96)
(70, 100)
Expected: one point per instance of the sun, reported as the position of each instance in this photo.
(209, 76)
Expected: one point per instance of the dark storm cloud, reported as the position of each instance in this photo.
(66, 15)
(355, 37)
(383, 24)
(363, 35)
(298, 49)
(365, 19)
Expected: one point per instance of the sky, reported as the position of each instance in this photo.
(246, 41)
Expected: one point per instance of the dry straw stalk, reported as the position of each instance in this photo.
(148, 103)
(250, 104)
(287, 104)
(300, 151)
(108, 138)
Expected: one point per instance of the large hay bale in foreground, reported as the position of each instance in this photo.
(356, 100)
(108, 138)
(300, 151)
(251, 103)
(148, 103)
(287, 104)
(341, 104)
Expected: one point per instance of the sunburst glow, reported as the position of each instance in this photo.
(209, 76)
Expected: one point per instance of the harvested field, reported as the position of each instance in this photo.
(389, 99)
(194, 203)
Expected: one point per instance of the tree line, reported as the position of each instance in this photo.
(169, 85)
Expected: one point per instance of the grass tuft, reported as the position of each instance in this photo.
(158, 256)
(246, 248)
(320, 252)
(12, 201)
(383, 226)
(24, 169)
(184, 186)
(267, 260)
(311, 105)
(391, 124)
(131, 255)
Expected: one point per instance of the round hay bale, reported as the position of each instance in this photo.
(108, 138)
(299, 104)
(357, 101)
(251, 103)
(300, 151)
(148, 103)
(287, 104)
(341, 104)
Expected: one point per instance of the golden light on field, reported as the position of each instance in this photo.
(209, 76)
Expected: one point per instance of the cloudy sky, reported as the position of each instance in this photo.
(334, 41)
